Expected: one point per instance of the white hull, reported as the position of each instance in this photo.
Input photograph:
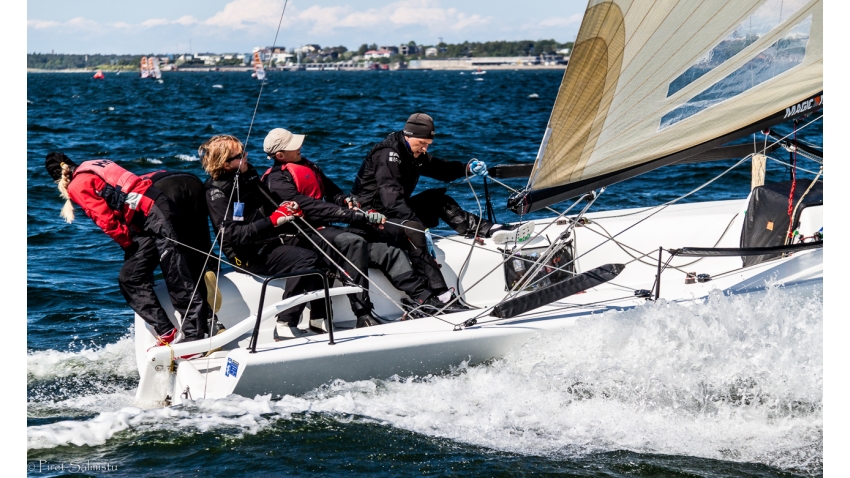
(431, 346)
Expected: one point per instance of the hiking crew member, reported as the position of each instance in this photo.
(140, 219)
(386, 180)
(295, 178)
(252, 237)
(188, 195)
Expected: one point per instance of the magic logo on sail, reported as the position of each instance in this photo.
(803, 106)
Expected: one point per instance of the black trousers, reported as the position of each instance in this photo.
(275, 258)
(430, 206)
(188, 199)
(156, 247)
(366, 250)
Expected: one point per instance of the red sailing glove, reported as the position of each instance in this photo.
(287, 212)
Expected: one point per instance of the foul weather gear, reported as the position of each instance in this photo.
(140, 219)
(111, 196)
(362, 246)
(255, 244)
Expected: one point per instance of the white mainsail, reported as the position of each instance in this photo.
(154, 67)
(650, 80)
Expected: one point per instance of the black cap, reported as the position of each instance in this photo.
(54, 161)
(419, 125)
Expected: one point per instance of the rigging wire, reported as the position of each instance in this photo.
(529, 241)
(546, 256)
(220, 232)
(365, 275)
(465, 264)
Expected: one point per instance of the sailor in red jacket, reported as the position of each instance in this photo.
(139, 218)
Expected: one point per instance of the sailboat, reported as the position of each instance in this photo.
(648, 85)
(259, 72)
(153, 68)
(478, 71)
(145, 69)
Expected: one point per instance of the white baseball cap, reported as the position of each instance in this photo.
(280, 139)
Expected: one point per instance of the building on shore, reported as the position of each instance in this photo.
(488, 62)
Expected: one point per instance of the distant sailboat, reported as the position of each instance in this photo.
(259, 72)
(98, 75)
(153, 67)
(145, 72)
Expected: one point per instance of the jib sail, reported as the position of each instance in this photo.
(652, 83)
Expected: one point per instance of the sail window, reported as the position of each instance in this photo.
(786, 53)
(768, 16)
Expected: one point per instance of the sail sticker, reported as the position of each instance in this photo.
(231, 368)
(804, 106)
(786, 53)
(768, 16)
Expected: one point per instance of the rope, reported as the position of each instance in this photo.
(546, 256)
(793, 182)
(365, 275)
(788, 236)
(503, 261)
(220, 233)
(465, 264)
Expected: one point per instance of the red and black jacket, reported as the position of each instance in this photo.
(112, 197)
(322, 201)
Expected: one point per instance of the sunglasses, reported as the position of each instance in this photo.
(234, 158)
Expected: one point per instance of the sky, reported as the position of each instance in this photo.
(197, 26)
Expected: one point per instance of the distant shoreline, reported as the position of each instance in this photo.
(247, 69)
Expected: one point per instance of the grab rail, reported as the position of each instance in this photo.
(724, 252)
(246, 325)
(284, 275)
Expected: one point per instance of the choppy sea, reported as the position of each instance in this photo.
(733, 387)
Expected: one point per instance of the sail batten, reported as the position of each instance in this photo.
(648, 81)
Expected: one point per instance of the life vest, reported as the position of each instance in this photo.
(306, 179)
(125, 192)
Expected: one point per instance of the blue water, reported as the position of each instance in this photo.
(679, 412)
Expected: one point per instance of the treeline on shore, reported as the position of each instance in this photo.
(59, 61)
(500, 48)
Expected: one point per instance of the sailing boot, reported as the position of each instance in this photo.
(444, 303)
(366, 320)
(284, 331)
(502, 233)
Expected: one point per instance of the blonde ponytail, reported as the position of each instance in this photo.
(68, 209)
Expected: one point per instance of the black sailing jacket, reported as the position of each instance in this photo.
(389, 175)
(241, 239)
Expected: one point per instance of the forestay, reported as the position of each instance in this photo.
(651, 83)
